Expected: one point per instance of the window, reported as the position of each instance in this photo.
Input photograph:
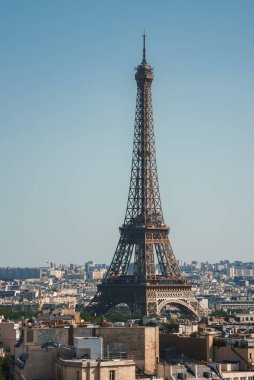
(112, 375)
(77, 375)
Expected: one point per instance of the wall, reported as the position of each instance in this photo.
(43, 335)
(151, 349)
(40, 364)
(141, 343)
(164, 371)
(9, 334)
(200, 348)
(91, 346)
(92, 370)
(241, 355)
(237, 375)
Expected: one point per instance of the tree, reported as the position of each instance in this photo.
(9, 313)
(5, 365)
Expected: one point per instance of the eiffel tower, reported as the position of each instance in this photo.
(144, 235)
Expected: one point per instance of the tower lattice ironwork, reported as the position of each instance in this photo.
(144, 234)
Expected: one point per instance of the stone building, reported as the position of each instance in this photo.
(141, 343)
(39, 347)
(236, 350)
(9, 334)
(51, 361)
(35, 363)
(199, 347)
(189, 371)
(115, 369)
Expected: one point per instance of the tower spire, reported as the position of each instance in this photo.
(144, 47)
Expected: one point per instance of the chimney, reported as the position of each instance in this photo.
(71, 336)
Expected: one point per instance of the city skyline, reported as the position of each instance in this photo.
(66, 167)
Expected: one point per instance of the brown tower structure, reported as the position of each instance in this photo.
(144, 234)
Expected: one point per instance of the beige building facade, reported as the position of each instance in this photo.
(141, 343)
(123, 347)
(9, 334)
(95, 369)
(242, 354)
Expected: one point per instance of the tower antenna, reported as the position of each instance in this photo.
(144, 47)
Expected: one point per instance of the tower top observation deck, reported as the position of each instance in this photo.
(144, 70)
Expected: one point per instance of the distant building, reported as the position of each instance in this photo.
(245, 318)
(10, 274)
(75, 276)
(57, 300)
(8, 293)
(241, 272)
(235, 305)
(98, 274)
(55, 273)
(203, 302)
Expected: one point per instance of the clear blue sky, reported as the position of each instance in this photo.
(67, 98)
